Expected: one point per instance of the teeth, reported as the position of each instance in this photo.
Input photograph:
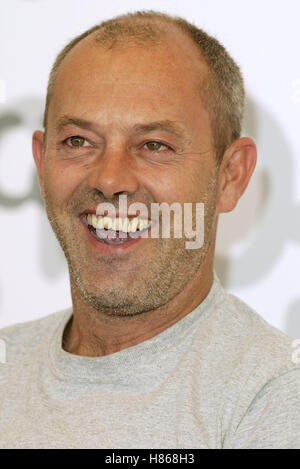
(115, 224)
(143, 224)
(133, 225)
(94, 220)
(118, 224)
(125, 225)
(107, 223)
(100, 223)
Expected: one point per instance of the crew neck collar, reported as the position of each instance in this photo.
(93, 369)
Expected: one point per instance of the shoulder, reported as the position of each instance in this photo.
(250, 351)
(22, 337)
(252, 336)
(257, 367)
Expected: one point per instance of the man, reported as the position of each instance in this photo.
(153, 353)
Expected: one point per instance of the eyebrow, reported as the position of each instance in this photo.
(163, 125)
(65, 120)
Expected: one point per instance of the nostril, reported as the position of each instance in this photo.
(113, 179)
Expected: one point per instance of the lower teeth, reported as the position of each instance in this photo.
(112, 237)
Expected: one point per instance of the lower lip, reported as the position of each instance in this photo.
(110, 248)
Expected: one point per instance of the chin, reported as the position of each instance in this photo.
(117, 307)
(112, 298)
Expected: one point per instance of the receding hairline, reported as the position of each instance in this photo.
(163, 29)
(221, 88)
(99, 37)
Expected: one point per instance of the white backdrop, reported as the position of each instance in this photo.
(258, 245)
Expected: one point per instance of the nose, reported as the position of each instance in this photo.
(114, 174)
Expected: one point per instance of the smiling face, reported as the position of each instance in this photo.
(128, 120)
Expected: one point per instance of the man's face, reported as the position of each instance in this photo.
(121, 92)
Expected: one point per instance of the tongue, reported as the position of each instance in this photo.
(117, 235)
(113, 237)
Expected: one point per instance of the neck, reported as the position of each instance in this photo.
(92, 333)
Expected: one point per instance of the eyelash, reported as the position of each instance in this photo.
(65, 142)
(168, 148)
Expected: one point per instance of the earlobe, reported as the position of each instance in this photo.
(38, 155)
(235, 172)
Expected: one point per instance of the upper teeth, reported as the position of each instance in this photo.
(117, 224)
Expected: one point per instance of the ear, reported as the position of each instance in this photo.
(38, 155)
(235, 171)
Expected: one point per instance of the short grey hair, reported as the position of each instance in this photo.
(222, 92)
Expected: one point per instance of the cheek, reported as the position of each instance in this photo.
(165, 189)
(60, 182)
(175, 186)
(165, 183)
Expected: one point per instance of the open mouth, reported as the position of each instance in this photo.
(116, 231)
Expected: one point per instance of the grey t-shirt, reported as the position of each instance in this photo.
(221, 377)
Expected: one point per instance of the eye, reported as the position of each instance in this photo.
(77, 142)
(155, 146)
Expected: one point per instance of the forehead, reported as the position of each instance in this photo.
(128, 80)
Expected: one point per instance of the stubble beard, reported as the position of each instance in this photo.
(164, 276)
